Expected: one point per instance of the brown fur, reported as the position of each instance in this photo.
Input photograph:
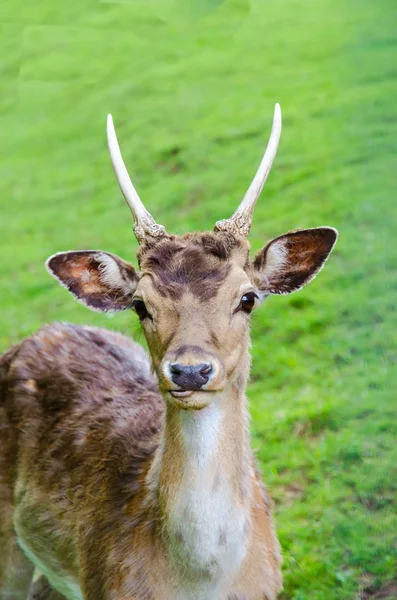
(198, 262)
(97, 464)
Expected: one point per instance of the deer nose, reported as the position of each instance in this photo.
(190, 377)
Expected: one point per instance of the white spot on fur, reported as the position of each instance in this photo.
(30, 385)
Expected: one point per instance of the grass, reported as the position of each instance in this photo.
(191, 87)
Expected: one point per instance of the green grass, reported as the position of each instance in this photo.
(192, 86)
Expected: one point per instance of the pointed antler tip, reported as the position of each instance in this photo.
(240, 221)
(144, 222)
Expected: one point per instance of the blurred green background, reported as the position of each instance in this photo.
(192, 86)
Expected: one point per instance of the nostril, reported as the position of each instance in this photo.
(205, 369)
(175, 369)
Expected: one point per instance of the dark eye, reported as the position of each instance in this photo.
(140, 309)
(247, 302)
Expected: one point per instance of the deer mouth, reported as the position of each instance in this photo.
(189, 399)
(181, 393)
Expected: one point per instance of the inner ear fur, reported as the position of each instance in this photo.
(291, 260)
(100, 280)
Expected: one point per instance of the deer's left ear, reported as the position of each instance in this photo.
(291, 260)
(100, 280)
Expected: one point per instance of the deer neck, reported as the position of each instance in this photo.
(203, 474)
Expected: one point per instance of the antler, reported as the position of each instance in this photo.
(240, 222)
(144, 225)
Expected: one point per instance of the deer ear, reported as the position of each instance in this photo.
(99, 280)
(291, 260)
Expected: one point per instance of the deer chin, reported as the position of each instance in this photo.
(189, 399)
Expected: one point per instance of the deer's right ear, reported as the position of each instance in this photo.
(99, 280)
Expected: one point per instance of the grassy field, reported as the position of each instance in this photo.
(191, 87)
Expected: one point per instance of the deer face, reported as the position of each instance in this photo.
(194, 293)
(194, 298)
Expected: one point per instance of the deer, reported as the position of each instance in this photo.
(125, 476)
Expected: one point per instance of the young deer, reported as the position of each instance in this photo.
(121, 484)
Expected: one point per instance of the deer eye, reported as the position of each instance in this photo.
(140, 309)
(247, 302)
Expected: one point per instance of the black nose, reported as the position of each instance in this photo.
(190, 377)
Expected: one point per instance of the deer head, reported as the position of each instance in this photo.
(194, 293)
